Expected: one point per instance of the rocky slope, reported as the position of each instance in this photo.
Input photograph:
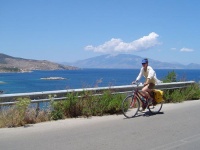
(15, 64)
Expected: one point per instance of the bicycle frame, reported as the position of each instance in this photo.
(138, 94)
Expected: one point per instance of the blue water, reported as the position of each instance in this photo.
(85, 78)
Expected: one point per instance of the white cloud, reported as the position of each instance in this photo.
(186, 50)
(118, 46)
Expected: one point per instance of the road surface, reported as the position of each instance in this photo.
(176, 127)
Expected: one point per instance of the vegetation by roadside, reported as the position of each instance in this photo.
(84, 105)
(179, 95)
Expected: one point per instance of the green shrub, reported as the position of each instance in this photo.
(178, 95)
(192, 92)
(115, 104)
(171, 77)
(87, 105)
(57, 110)
(70, 107)
(104, 102)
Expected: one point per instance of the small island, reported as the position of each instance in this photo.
(53, 78)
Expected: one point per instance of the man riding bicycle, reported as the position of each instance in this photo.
(151, 79)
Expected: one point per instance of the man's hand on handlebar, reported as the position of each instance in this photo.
(134, 82)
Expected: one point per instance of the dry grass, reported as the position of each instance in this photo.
(11, 117)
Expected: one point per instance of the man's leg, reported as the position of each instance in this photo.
(149, 90)
(145, 91)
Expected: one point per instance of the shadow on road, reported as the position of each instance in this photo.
(146, 114)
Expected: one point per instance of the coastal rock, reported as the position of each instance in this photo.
(53, 78)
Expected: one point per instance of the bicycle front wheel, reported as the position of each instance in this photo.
(130, 106)
(155, 108)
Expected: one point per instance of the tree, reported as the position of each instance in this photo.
(171, 77)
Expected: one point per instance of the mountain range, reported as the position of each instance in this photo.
(127, 61)
(119, 61)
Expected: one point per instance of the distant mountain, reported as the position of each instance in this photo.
(15, 64)
(193, 66)
(127, 61)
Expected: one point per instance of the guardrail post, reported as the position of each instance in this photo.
(37, 108)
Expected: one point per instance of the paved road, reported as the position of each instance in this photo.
(177, 127)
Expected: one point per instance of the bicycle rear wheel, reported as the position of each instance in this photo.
(155, 108)
(130, 106)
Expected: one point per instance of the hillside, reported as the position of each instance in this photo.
(15, 64)
(127, 61)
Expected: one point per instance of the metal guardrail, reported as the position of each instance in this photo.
(37, 97)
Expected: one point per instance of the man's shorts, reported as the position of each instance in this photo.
(151, 86)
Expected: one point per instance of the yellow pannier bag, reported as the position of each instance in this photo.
(158, 95)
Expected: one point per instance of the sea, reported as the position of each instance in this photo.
(84, 78)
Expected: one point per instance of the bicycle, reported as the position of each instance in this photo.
(134, 102)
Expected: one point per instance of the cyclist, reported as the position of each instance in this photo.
(151, 79)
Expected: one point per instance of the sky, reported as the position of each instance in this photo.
(71, 30)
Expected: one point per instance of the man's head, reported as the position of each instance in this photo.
(145, 61)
